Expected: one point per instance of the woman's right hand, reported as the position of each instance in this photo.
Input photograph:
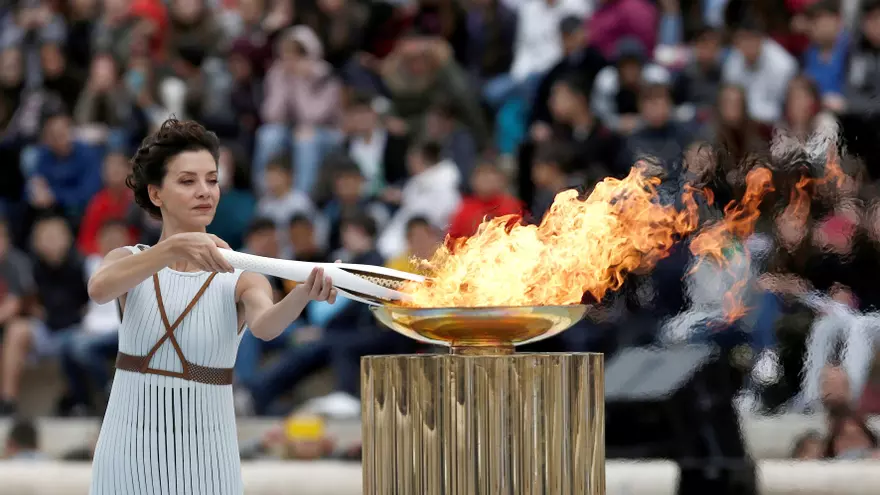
(202, 250)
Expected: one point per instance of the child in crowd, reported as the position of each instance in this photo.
(112, 201)
(349, 185)
(282, 202)
(489, 198)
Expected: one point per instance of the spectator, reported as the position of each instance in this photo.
(16, 286)
(733, 132)
(59, 79)
(304, 241)
(598, 151)
(341, 27)
(491, 31)
(659, 136)
(22, 442)
(67, 172)
(111, 202)
(432, 191)
(418, 73)
(825, 60)
(550, 173)
(863, 82)
(381, 155)
(615, 20)
(699, 84)
(616, 89)
(422, 240)
(103, 107)
(802, 110)
(442, 126)
(489, 199)
(61, 300)
(538, 43)
(762, 67)
(578, 58)
(282, 200)
(301, 92)
(193, 24)
(349, 199)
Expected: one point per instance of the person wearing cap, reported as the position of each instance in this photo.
(578, 58)
(615, 91)
(762, 67)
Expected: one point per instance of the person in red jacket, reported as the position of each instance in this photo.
(111, 203)
(489, 199)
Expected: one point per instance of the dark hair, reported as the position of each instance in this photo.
(300, 218)
(23, 434)
(150, 162)
(259, 224)
(869, 6)
(555, 153)
(360, 220)
(577, 84)
(417, 221)
(361, 98)
(280, 162)
(341, 164)
(823, 7)
(431, 151)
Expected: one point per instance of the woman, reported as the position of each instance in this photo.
(170, 424)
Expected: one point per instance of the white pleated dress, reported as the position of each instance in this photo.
(173, 435)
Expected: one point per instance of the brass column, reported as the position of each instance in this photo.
(498, 424)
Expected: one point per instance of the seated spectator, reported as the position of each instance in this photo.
(380, 155)
(282, 200)
(60, 80)
(615, 20)
(22, 442)
(103, 107)
(491, 29)
(551, 175)
(67, 172)
(348, 199)
(614, 97)
(699, 83)
(490, 198)
(431, 191)
(802, 113)
(303, 94)
(733, 133)
(579, 58)
(442, 126)
(863, 81)
(110, 203)
(61, 301)
(826, 59)
(422, 241)
(762, 67)
(417, 73)
(659, 136)
(597, 150)
(16, 286)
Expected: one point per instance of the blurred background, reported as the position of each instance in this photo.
(369, 130)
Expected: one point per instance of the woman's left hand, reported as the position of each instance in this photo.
(317, 287)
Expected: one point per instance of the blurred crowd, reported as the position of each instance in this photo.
(369, 130)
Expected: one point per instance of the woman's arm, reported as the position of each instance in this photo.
(268, 320)
(122, 270)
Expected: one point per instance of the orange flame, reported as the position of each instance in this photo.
(713, 243)
(582, 246)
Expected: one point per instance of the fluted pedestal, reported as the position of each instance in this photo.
(517, 424)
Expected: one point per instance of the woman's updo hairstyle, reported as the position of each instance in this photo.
(150, 162)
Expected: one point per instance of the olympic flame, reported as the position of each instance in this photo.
(581, 247)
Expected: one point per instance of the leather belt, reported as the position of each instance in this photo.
(194, 372)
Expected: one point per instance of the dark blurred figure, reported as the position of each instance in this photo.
(659, 136)
(699, 82)
(22, 442)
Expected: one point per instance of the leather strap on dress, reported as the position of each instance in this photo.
(191, 371)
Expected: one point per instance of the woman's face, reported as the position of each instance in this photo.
(730, 107)
(852, 438)
(190, 190)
